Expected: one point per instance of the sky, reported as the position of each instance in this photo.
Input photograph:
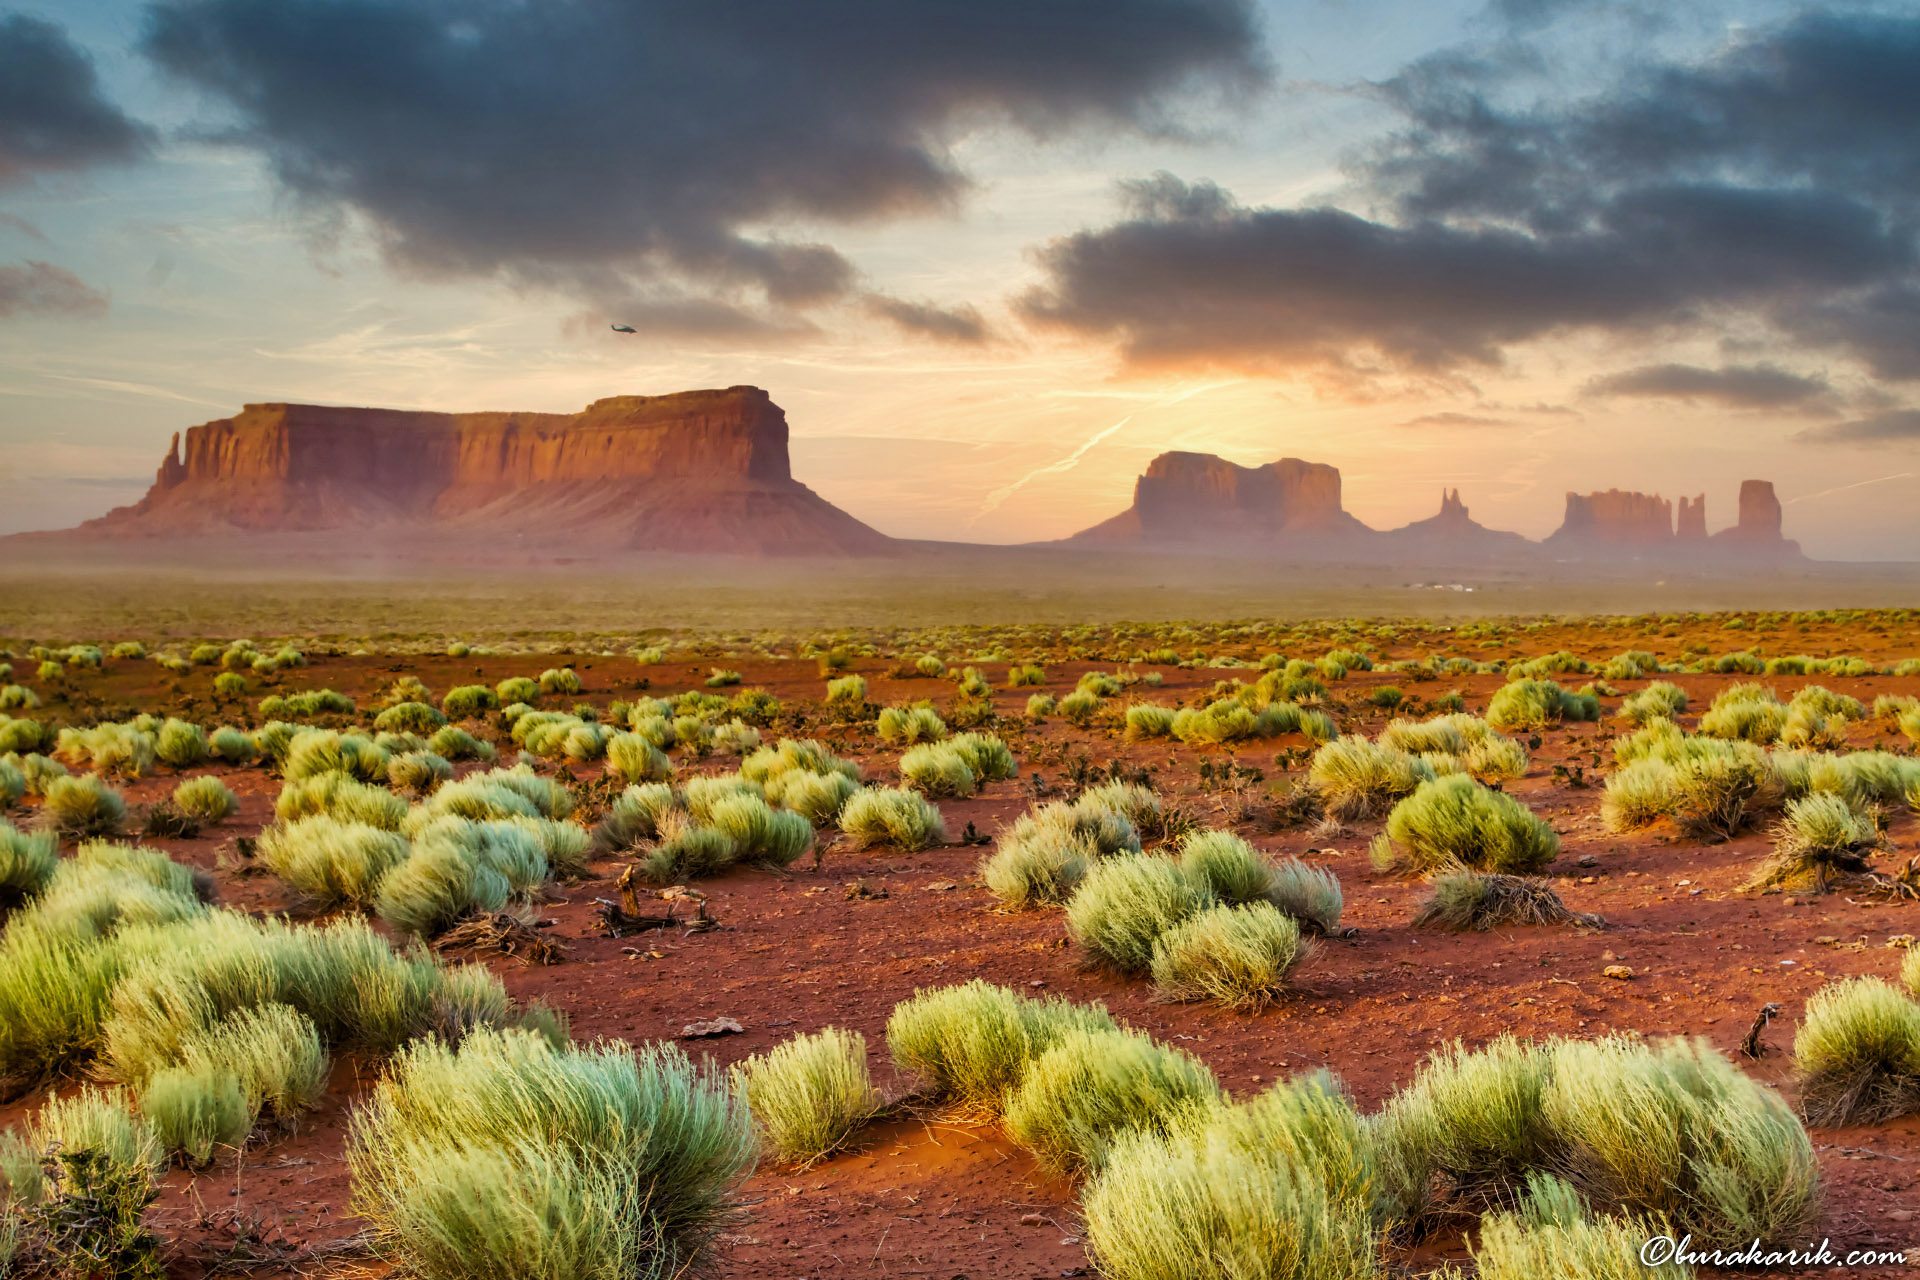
(992, 256)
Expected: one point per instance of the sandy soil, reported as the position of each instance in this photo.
(796, 952)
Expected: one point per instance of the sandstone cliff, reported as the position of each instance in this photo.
(1199, 498)
(1617, 518)
(696, 471)
(1691, 523)
(1758, 532)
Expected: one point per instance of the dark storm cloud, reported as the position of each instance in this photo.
(52, 116)
(1278, 287)
(42, 289)
(1776, 180)
(652, 140)
(1896, 426)
(1737, 386)
(945, 324)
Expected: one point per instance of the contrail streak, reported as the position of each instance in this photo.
(999, 496)
(1858, 484)
(1067, 463)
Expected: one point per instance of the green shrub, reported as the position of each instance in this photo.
(1280, 1187)
(235, 746)
(634, 817)
(901, 725)
(880, 815)
(193, 1112)
(459, 866)
(810, 1094)
(847, 690)
(1658, 701)
(1857, 1054)
(761, 834)
(1821, 836)
(13, 783)
(1677, 1132)
(418, 772)
(275, 1053)
(1454, 822)
(562, 680)
(317, 751)
(1358, 778)
(1746, 712)
(1634, 664)
(687, 850)
(205, 799)
(1226, 865)
(1124, 903)
(468, 702)
(1024, 675)
(631, 758)
(1311, 895)
(1239, 957)
(1041, 705)
(938, 769)
(507, 1156)
(516, 689)
(454, 743)
(330, 860)
(928, 665)
(1638, 795)
(1080, 707)
(1554, 1235)
(1538, 704)
(83, 807)
(1090, 1087)
(970, 1044)
(1144, 720)
(181, 744)
(23, 736)
(409, 717)
(1043, 854)
(17, 697)
(496, 794)
(720, 678)
(1469, 1125)
(339, 796)
(27, 862)
(306, 705)
(1910, 972)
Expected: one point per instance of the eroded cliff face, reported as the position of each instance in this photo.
(1691, 524)
(1617, 517)
(1758, 532)
(700, 470)
(1200, 497)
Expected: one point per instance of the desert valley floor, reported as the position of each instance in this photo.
(842, 935)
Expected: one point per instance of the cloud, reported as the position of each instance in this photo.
(1896, 426)
(40, 288)
(1453, 419)
(1736, 386)
(962, 324)
(1216, 283)
(1771, 184)
(52, 117)
(620, 145)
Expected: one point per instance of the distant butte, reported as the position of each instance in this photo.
(694, 471)
(1198, 501)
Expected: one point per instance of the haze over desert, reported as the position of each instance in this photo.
(1154, 639)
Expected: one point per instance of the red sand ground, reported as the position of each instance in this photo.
(924, 1198)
